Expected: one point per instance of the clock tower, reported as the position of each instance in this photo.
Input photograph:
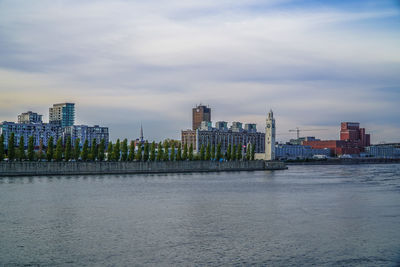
(270, 137)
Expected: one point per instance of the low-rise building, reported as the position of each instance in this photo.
(383, 151)
(85, 132)
(299, 152)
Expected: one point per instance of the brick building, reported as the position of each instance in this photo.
(199, 114)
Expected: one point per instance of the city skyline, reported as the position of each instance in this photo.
(127, 63)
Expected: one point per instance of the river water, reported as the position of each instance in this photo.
(306, 215)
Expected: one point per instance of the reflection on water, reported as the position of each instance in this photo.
(322, 215)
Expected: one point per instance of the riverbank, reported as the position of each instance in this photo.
(344, 161)
(87, 168)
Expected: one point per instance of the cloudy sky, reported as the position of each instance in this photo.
(315, 63)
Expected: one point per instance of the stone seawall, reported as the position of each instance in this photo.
(347, 161)
(79, 168)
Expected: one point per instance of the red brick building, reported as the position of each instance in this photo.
(353, 140)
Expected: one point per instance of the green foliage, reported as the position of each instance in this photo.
(253, 151)
(11, 147)
(68, 149)
(159, 152)
(153, 151)
(212, 156)
(218, 155)
(172, 156)
(179, 153)
(85, 151)
(228, 153)
(77, 149)
(109, 151)
(59, 150)
(21, 149)
(239, 151)
(94, 150)
(202, 152)
(131, 156)
(233, 156)
(2, 147)
(116, 154)
(190, 152)
(139, 153)
(208, 152)
(248, 152)
(102, 147)
(50, 149)
(124, 150)
(166, 151)
(185, 152)
(146, 151)
(31, 149)
(40, 155)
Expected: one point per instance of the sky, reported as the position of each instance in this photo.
(126, 63)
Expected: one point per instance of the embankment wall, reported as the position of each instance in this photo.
(79, 168)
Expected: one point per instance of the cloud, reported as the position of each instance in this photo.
(124, 62)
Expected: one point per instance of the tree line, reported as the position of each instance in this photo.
(120, 151)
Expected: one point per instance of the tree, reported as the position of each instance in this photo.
(228, 153)
(212, 152)
(218, 156)
(139, 153)
(94, 150)
(185, 152)
(131, 156)
(59, 150)
(153, 151)
(208, 152)
(116, 154)
(172, 156)
(77, 149)
(50, 152)
(21, 149)
(102, 147)
(109, 151)
(11, 147)
(159, 152)
(179, 153)
(68, 148)
(166, 151)
(31, 149)
(248, 152)
(124, 150)
(202, 152)
(146, 151)
(190, 152)
(85, 150)
(1, 147)
(233, 156)
(253, 151)
(40, 152)
(239, 151)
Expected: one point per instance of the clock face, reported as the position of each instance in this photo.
(268, 126)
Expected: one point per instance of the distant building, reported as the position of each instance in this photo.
(225, 137)
(39, 131)
(221, 125)
(62, 114)
(29, 117)
(84, 132)
(299, 152)
(199, 114)
(270, 132)
(250, 127)
(236, 127)
(383, 151)
(299, 141)
(353, 140)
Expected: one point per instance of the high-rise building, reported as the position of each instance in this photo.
(29, 117)
(62, 114)
(199, 114)
(270, 137)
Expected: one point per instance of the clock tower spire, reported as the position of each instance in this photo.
(270, 137)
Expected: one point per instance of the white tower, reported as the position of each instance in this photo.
(270, 137)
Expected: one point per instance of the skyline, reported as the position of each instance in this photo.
(126, 63)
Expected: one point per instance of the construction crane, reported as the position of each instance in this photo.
(298, 130)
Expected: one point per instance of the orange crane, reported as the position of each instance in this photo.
(298, 130)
